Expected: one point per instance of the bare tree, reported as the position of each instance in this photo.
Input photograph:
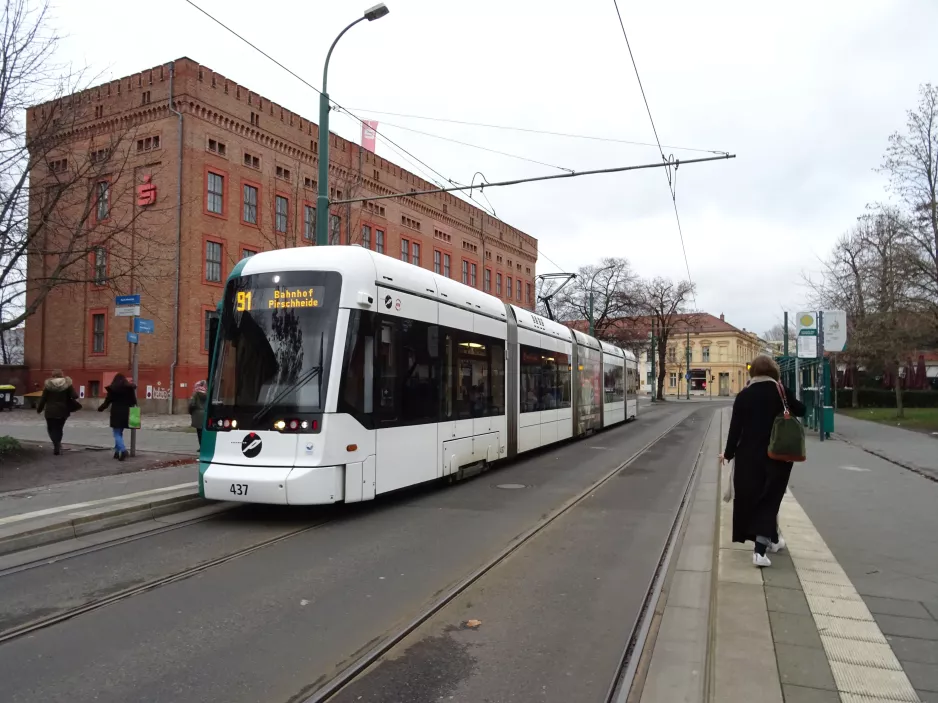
(911, 161)
(69, 207)
(613, 285)
(663, 303)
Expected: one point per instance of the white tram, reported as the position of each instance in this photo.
(339, 374)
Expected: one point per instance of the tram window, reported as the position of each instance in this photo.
(545, 379)
(356, 396)
(614, 389)
(387, 397)
(419, 370)
(448, 394)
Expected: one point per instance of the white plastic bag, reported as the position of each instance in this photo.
(728, 491)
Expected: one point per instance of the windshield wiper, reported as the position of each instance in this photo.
(301, 381)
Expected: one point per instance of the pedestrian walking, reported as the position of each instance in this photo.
(197, 408)
(759, 482)
(58, 401)
(121, 397)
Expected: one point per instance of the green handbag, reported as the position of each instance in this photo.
(133, 420)
(787, 440)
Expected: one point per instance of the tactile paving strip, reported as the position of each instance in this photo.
(839, 608)
(858, 630)
(864, 667)
(861, 653)
(827, 590)
(882, 683)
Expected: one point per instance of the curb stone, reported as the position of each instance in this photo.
(81, 524)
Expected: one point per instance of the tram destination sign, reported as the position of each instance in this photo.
(283, 298)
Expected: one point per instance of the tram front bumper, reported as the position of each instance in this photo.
(279, 485)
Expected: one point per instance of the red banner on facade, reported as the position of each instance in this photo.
(368, 134)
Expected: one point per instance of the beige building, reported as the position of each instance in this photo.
(719, 354)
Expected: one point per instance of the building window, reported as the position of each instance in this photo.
(472, 275)
(217, 147)
(379, 241)
(487, 280)
(465, 271)
(145, 97)
(282, 205)
(446, 269)
(247, 253)
(335, 229)
(213, 254)
(58, 165)
(216, 193)
(529, 293)
(148, 144)
(416, 254)
(405, 250)
(103, 195)
(250, 204)
(366, 236)
(309, 183)
(436, 262)
(672, 379)
(209, 316)
(508, 292)
(94, 389)
(100, 266)
(706, 353)
(672, 355)
(252, 161)
(283, 173)
(518, 290)
(98, 333)
(309, 222)
(498, 285)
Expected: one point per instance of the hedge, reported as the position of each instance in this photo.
(880, 398)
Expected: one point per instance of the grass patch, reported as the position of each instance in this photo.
(8, 445)
(925, 419)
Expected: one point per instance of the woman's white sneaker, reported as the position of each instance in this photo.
(776, 547)
(760, 560)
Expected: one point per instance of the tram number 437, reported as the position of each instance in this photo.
(239, 489)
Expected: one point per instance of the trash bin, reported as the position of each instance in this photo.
(828, 419)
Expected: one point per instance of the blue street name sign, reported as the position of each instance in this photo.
(133, 337)
(127, 300)
(142, 326)
(687, 377)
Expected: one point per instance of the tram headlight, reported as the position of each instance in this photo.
(234, 424)
(280, 424)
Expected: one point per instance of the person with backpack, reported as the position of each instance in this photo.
(121, 397)
(197, 408)
(762, 412)
(58, 401)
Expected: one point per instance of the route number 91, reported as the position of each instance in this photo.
(243, 301)
(239, 489)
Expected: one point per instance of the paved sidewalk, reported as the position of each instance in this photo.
(80, 429)
(63, 511)
(913, 450)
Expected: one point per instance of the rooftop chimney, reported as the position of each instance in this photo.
(722, 318)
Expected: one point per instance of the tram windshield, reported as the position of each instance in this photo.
(277, 333)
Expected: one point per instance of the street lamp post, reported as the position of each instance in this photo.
(592, 279)
(322, 199)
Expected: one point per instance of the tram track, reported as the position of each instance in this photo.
(44, 622)
(637, 635)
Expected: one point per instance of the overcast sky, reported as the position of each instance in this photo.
(804, 93)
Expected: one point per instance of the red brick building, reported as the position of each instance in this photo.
(236, 174)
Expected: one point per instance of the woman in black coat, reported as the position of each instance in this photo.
(121, 397)
(759, 483)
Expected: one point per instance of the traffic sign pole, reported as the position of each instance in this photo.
(133, 431)
(820, 382)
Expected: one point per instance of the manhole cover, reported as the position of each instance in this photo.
(511, 486)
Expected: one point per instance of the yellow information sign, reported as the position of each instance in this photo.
(284, 298)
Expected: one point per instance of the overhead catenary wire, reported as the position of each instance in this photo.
(536, 131)
(668, 161)
(476, 146)
(310, 85)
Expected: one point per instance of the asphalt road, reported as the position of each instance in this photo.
(276, 622)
